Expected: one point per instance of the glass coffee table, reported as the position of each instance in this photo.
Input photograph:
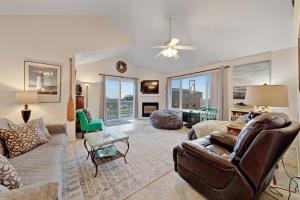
(100, 141)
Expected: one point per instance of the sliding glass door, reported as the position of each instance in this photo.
(119, 99)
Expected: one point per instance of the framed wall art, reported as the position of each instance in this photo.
(258, 73)
(45, 79)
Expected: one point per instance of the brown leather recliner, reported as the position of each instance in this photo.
(220, 166)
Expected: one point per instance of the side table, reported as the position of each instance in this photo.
(235, 128)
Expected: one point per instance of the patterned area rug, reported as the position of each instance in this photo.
(149, 157)
(117, 123)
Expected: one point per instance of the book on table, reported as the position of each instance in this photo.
(107, 151)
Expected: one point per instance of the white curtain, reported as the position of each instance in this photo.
(102, 98)
(136, 100)
(167, 99)
(223, 99)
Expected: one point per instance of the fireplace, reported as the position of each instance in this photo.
(148, 108)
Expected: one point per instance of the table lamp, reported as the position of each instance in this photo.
(265, 96)
(26, 97)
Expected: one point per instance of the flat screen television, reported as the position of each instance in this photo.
(150, 87)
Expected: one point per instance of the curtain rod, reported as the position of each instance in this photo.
(118, 76)
(208, 70)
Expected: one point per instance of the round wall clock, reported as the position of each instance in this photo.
(121, 67)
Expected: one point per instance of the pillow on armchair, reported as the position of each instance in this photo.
(88, 115)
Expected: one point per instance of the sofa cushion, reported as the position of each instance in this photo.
(8, 175)
(42, 164)
(20, 139)
(58, 139)
(4, 123)
(3, 189)
(43, 127)
(45, 190)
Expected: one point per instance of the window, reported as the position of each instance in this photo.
(119, 94)
(191, 93)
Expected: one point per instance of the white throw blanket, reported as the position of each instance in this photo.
(206, 127)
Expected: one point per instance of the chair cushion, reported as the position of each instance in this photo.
(255, 126)
(226, 140)
(20, 139)
(8, 175)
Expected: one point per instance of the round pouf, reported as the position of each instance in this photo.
(166, 119)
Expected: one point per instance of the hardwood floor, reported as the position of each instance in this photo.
(173, 187)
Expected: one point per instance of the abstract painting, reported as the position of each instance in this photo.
(45, 79)
(250, 74)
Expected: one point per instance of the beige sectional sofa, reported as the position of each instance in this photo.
(43, 163)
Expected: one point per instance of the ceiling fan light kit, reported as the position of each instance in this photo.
(171, 47)
(169, 52)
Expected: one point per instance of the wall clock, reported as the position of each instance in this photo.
(121, 67)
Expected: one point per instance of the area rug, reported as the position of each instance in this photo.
(149, 157)
(117, 123)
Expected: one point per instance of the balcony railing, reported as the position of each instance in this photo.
(126, 110)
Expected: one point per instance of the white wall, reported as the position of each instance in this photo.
(53, 39)
(285, 71)
(89, 73)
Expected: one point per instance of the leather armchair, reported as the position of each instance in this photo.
(221, 166)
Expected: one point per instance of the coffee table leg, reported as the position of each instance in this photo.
(126, 142)
(86, 149)
(93, 153)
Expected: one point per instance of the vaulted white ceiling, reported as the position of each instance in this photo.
(220, 29)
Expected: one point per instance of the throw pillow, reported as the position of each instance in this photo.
(20, 139)
(38, 191)
(40, 123)
(43, 127)
(8, 175)
(88, 115)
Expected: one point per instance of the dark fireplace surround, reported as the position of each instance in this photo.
(148, 108)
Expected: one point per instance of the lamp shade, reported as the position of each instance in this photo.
(267, 95)
(26, 97)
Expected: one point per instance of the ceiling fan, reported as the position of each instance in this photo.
(171, 47)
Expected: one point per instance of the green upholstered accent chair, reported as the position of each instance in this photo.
(210, 114)
(86, 126)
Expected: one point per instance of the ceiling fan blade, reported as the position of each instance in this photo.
(173, 42)
(182, 47)
(158, 47)
(159, 54)
(177, 56)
